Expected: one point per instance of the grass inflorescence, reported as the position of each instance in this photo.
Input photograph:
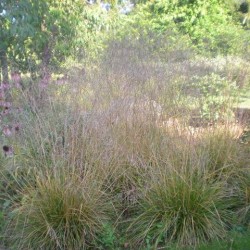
(125, 158)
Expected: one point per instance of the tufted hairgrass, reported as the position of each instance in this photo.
(185, 209)
(59, 212)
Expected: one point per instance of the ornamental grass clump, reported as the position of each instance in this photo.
(185, 209)
(59, 212)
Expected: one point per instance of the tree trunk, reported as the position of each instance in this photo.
(4, 66)
(46, 56)
(45, 72)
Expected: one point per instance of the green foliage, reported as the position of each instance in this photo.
(1, 220)
(48, 32)
(206, 23)
(21, 22)
(95, 27)
(235, 241)
(216, 97)
(107, 237)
